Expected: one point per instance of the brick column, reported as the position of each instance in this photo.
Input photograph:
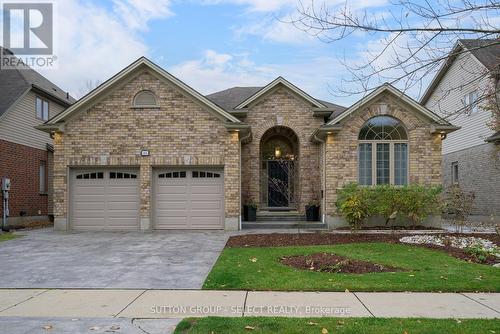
(145, 195)
(232, 182)
(60, 184)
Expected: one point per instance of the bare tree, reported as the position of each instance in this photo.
(413, 38)
(89, 86)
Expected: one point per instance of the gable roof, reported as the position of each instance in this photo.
(231, 97)
(15, 82)
(486, 51)
(386, 87)
(274, 83)
(141, 62)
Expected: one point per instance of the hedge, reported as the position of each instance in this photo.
(415, 202)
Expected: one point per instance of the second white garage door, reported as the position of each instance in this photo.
(189, 199)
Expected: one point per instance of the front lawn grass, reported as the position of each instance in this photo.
(7, 236)
(425, 270)
(336, 325)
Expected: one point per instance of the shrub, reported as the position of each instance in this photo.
(355, 210)
(415, 202)
(480, 254)
(458, 204)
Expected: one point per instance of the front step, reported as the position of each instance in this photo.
(305, 225)
(277, 216)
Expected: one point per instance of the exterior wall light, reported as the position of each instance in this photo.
(277, 152)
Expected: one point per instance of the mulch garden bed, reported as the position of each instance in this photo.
(331, 263)
(311, 239)
(393, 228)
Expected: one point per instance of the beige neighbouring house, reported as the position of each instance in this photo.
(144, 151)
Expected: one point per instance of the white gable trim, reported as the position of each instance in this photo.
(387, 87)
(129, 69)
(274, 83)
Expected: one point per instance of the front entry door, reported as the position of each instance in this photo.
(278, 190)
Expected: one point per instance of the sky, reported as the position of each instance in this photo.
(209, 44)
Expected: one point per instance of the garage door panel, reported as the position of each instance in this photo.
(209, 189)
(170, 206)
(101, 202)
(206, 205)
(88, 190)
(189, 202)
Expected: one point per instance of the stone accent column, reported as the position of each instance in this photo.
(232, 182)
(60, 184)
(145, 195)
(335, 162)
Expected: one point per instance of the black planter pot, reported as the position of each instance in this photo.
(312, 213)
(249, 213)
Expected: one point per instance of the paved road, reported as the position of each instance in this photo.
(132, 260)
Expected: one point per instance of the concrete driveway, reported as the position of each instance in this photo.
(131, 260)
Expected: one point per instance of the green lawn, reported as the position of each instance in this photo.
(335, 325)
(7, 236)
(427, 270)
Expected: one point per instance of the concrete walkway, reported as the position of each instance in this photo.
(168, 304)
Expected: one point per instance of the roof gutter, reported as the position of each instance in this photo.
(444, 129)
(320, 133)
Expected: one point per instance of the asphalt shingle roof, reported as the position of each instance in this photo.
(229, 98)
(13, 83)
(487, 51)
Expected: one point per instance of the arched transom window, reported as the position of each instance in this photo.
(383, 152)
(145, 99)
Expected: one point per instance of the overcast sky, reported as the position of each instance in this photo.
(209, 44)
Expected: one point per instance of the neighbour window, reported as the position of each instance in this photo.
(383, 152)
(470, 102)
(42, 109)
(42, 172)
(454, 172)
(145, 98)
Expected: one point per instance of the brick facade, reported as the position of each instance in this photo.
(179, 132)
(21, 164)
(341, 149)
(282, 108)
(478, 172)
(182, 131)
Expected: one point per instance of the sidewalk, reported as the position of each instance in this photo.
(163, 304)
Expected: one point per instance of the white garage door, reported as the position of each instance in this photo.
(189, 199)
(104, 199)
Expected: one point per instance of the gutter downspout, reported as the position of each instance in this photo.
(324, 176)
(241, 140)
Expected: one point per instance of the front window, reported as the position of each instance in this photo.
(383, 152)
(42, 109)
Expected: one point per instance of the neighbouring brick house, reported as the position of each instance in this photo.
(459, 92)
(27, 99)
(145, 151)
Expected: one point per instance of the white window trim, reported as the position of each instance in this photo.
(48, 108)
(471, 106)
(453, 179)
(148, 106)
(392, 161)
(42, 178)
